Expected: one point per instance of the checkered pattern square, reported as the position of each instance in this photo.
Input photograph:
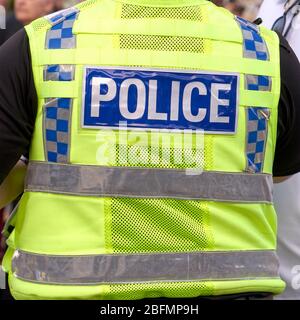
(60, 15)
(254, 45)
(59, 72)
(248, 24)
(258, 83)
(61, 36)
(257, 132)
(56, 129)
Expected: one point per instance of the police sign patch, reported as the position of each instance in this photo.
(160, 99)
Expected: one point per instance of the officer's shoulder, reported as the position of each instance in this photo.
(53, 19)
(58, 17)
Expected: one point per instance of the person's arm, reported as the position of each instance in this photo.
(13, 185)
(280, 179)
(18, 105)
(287, 153)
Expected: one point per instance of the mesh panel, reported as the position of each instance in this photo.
(208, 151)
(43, 23)
(40, 24)
(158, 157)
(155, 290)
(162, 43)
(184, 13)
(86, 4)
(158, 225)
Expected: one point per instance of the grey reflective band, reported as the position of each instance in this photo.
(138, 268)
(98, 181)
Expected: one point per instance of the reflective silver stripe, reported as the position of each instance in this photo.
(133, 268)
(148, 183)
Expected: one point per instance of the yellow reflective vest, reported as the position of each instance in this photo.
(150, 168)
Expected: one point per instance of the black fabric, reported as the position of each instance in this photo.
(18, 106)
(12, 26)
(18, 101)
(287, 155)
(5, 293)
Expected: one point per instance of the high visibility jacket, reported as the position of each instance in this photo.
(150, 168)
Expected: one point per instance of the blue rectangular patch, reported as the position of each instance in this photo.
(160, 99)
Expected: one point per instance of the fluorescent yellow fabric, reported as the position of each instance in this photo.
(68, 225)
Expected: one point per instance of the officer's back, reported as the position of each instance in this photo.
(151, 159)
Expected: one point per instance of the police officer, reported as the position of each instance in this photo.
(151, 128)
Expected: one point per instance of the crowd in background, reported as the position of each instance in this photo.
(22, 12)
(245, 8)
